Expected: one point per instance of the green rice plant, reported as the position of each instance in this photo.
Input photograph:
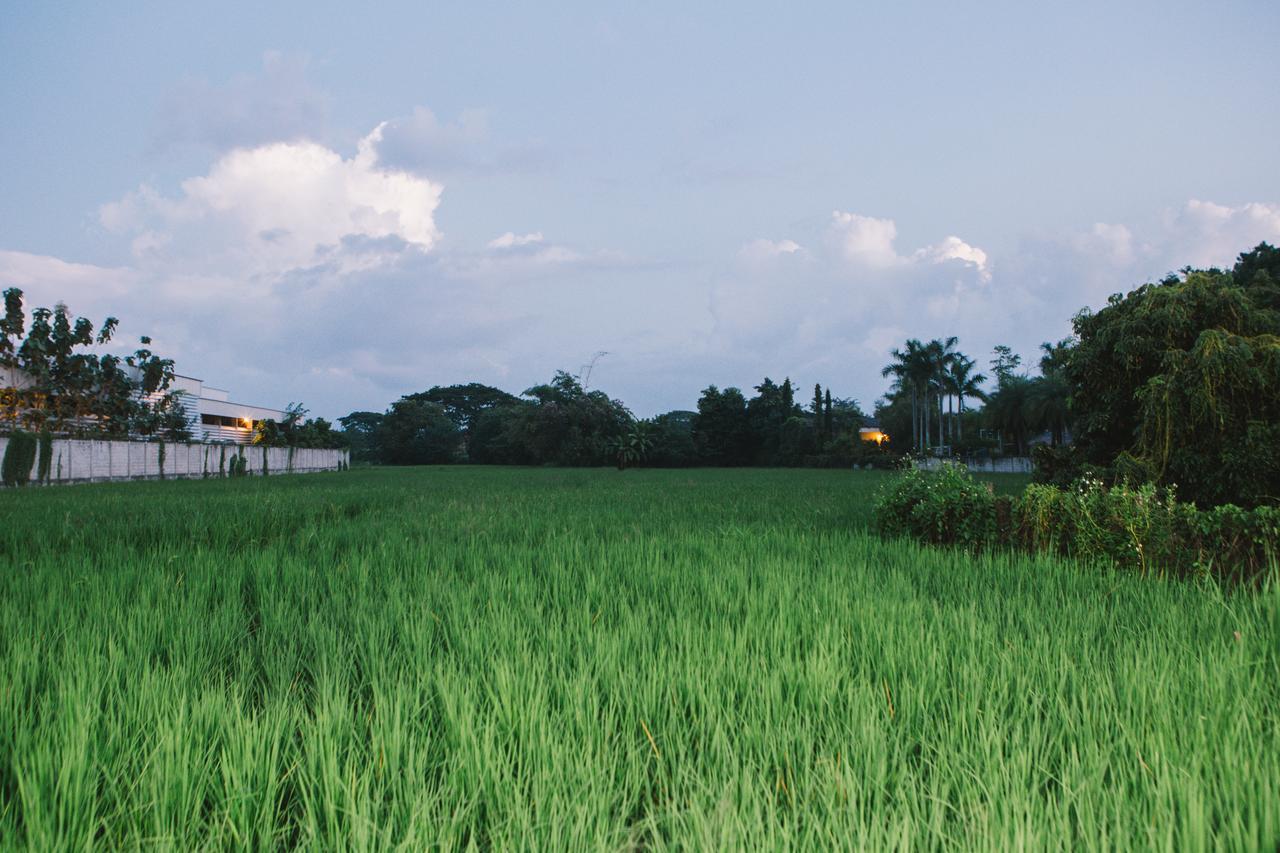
(489, 658)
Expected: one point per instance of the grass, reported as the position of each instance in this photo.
(561, 659)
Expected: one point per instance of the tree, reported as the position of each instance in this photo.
(51, 381)
(1179, 381)
(673, 445)
(1007, 409)
(721, 429)
(818, 419)
(960, 382)
(360, 429)
(912, 370)
(415, 432)
(633, 446)
(1006, 361)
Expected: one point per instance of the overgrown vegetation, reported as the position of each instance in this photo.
(19, 456)
(1178, 382)
(1142, 528)
(569, 659)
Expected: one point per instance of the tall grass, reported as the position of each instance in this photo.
(564, 659)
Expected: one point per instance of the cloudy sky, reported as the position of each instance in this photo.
(341, 204)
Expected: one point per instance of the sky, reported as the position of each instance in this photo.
(340, 204)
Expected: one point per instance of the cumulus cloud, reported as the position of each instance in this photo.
(291, 272)
(280, 206)
(276, 104)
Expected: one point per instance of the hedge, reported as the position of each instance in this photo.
(1142, 528)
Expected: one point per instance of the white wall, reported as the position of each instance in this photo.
(85, 461)
(995, 465)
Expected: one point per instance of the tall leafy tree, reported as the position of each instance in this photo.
(721, 428)
(1179, 381)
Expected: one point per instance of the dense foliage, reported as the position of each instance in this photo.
(563, 423)
(1143, 528)
(943, 507)
(1178, 382)
(50, 378)
(295, 429)
(563, 659)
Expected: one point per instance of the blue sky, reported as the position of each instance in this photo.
(339, 205)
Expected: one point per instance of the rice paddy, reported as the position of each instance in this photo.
(567, 659)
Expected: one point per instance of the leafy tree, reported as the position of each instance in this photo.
(673, 445)
(819, 421)
(1179, 381)
(633, 446)
(1008, 410)
(360, 429)
(415, 432)
(767, 412)
(721, 429)
(1004, 364)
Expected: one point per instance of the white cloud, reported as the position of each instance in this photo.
(281, 206)
(511, 240)
(762, 251)
(290, 272)
(1213, 234)
(865, 240)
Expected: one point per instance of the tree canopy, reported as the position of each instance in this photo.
(1179, 382)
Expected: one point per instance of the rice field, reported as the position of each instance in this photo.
(569, 659)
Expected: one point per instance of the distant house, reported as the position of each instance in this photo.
(870, 431)
(211, 416)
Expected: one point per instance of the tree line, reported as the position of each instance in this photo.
(564, 423)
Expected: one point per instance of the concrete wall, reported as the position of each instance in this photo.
(996, 465)
(91, 461)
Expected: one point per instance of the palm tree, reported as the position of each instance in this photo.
(962, 383)
(912, 371)
(938, 355)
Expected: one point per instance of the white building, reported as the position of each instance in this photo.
(212, 416)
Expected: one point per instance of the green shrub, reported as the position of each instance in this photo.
(1057, 466)
(239, 464)
(943, 507)
(1134, 527)
(19, 456)
(46, 457)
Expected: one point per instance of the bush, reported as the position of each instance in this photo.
(943, 507)
(1142, 528)
(1057, 466)
(19, 456)
(1134, 527)
(1146, 529)
(46, 457)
